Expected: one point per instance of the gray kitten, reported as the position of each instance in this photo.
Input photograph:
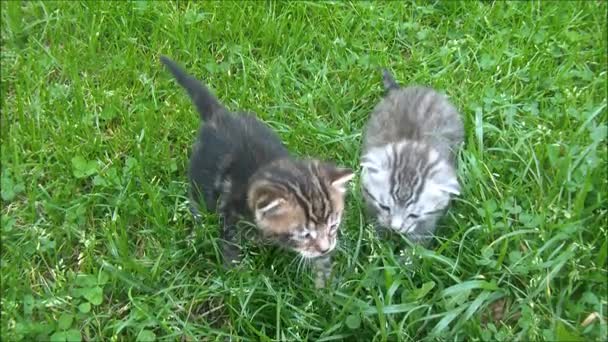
(409, 159)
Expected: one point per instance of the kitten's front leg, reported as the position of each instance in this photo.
(322, 269)
(230, 248)
(196, 214)
(193, 204)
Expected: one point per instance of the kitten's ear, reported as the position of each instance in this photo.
(451, 186)
(445, 179)
(265, 200)
(269, 206)
(368, 164)
(339, 177)
(389, 81)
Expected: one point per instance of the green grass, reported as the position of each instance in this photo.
(97, 239)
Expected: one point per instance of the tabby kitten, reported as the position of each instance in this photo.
(409, 159)
(240, 169)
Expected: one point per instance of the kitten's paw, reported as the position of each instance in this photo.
(322, 271)
(231, 262)
(196, 214)
(232, 256)
(321, 281)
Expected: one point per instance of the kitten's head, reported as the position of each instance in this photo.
(407, 182)
(299, 204)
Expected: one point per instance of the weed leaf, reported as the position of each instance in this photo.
(146, 336)
(84, 307)
(73, 335)
(65, 321)
(93, 295)
(83, 168)
(353, 321)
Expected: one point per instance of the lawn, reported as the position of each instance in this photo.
(97, 239)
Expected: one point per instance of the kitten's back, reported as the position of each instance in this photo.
(230, 147)
(415, 113)
(234, 147)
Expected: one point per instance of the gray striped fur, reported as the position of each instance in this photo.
(409, 159)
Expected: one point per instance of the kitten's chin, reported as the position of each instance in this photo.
(309, 254)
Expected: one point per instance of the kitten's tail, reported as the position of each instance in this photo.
(389, 81)
(206, 104)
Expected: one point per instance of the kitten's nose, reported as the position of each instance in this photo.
(323, 246)
(324, 251)
(397, 223)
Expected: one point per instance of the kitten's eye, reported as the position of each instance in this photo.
(307, 235)
(413, 216)
(384, 207)
(334, 227)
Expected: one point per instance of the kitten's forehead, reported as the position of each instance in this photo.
(407, 151)
(306, 185)
(322, 199)
(402, 170)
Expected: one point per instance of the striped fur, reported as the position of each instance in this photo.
(240, 169)
(308, 198)
(409, 159)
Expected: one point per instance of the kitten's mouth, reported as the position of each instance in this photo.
(307, 253)
(310, 254)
